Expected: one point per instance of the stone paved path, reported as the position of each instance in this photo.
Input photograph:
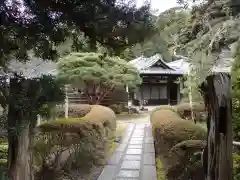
(134, 159)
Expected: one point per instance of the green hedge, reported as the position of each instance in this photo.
(3, 159)
(184, 110)
(169, 129)
(74, 110)
(236, 166)
(184, 160)
(87, 139)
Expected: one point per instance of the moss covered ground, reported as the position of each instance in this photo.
(160, 169)
(119, 133)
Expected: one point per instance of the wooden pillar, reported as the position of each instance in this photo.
(142, 97)
(178, 94)
(169, 89)
(217, 156)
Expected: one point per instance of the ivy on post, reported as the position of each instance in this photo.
(217, 156)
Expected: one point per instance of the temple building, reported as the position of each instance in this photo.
(161, 81)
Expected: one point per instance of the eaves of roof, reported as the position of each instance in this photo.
(145, 63)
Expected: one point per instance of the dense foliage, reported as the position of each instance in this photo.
(210, 35)
(96, 74)
(164, 41)
(236, 95)
(42, 25)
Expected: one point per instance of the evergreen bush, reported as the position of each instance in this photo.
(74, 143)
(169, 131)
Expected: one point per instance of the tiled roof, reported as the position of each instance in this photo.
(161, 71)
(144, 65)
(181, 65)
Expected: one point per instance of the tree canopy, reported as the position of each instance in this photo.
(96, 74)
(169, 26)
(42, 25)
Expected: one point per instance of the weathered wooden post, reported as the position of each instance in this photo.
(217, 156)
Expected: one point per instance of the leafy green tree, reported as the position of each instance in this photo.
(165, 40)
(96, 74)
(40, 27)
(213, 31)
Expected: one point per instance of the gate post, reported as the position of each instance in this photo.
(217, 156)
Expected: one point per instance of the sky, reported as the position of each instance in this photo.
(160, 5)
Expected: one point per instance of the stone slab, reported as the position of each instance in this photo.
(149, 172)
(121, 147)
(108, 173)
(137, 135)
(115, 159)
(140, 126)
(128, 134)
(135, 146)
(139, 131)
(127, 179)
(125, 141)
(134, 151)
(148, 132)
(128, 174)
(148, 140)
(131, 165)
(136, 142)
(149, 158)
(132, 157)
(136, 139)
(149, 148)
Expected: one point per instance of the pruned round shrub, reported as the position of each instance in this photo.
(74, 110)
(3, 151)
(119, 108)
(97, 116)
(116, 108)
(80, 142)
(236, 166)
(172, 108)
(184, 160)
(3, 160)
(169, 129)
(199, 112)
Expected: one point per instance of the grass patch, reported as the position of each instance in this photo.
(113, 146)
(121, 127)
(160, 170)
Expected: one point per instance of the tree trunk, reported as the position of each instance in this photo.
(18, 135)
(93, 44)
(218, 153)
